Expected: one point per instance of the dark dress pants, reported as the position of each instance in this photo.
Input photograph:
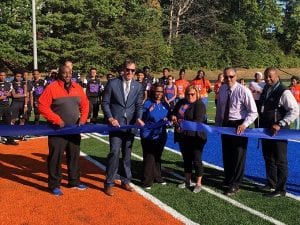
(275, 156)
(119, 141)
(57, 145)
(234, 150)
(152, 151)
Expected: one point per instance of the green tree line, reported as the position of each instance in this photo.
(174, 33)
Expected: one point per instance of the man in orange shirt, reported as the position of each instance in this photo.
(181, 85)
(295, 89)
(63, 103)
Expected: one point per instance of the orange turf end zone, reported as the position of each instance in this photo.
(24, 196)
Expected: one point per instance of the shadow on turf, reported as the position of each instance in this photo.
(22, 169)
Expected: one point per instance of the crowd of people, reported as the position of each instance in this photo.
(135, 97)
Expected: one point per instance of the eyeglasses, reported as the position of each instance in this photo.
(190, 94)
(130, 70)
(227, 77)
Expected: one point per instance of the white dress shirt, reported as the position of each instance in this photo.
(242, 104)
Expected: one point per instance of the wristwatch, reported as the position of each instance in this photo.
(282, 123)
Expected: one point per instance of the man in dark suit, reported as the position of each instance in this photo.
(122, 105)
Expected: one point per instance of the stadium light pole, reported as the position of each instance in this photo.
(35, 64)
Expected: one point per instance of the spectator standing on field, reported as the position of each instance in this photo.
(217, 86)
(5, 110)
(256, 87)
(295, 89)
(38, 85)
(181, 84)
(94, 90)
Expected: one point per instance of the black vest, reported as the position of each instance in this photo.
(271, 112)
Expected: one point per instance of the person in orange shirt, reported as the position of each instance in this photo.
(295, 89)
(217, 86)
(203, 85)
(181, 85)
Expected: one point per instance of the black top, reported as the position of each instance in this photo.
(194, 112)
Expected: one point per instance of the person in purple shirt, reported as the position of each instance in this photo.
(235, 108)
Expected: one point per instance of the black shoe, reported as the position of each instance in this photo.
(232, 190)
(275, 194)
(265, 188)
(161, 181)
(11, 142)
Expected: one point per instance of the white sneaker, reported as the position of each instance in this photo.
(197, 189)
(186, 185)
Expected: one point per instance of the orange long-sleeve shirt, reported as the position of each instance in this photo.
(57, 104)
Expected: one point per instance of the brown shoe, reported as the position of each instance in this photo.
(108, 191)
(127, 187)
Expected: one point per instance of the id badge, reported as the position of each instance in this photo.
(262, 108)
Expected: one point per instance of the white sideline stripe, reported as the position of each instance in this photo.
(139, 190)
(221, 196)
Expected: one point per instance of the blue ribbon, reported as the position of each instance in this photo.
(45, 130)
(283, 134)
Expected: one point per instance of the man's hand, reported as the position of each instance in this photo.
(240, 129)
(274, 129)
(81, 123)
(61, 124)
(140, 122)
(114, 122)
(174, 120)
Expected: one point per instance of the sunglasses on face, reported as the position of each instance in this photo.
(130, 70)
(190, 94)
(227, 77)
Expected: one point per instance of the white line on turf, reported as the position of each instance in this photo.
(221, 196)
(146, 195)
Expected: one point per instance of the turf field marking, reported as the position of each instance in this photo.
(210, 191)
(139, 190)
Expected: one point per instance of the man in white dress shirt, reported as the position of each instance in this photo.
(235, 108)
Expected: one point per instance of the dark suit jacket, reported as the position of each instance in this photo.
(114, 104)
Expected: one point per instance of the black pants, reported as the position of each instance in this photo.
(5, 114)
(275, 155)
(234, 151)
(93, 108)
(152, 151)
(57, 145)
(192, 156)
